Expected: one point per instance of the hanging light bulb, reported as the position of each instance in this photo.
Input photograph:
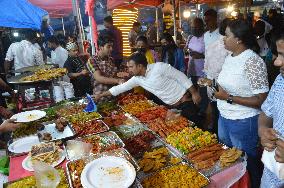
(186, 14)
(230, 8)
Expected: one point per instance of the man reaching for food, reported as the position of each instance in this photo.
(164, 81)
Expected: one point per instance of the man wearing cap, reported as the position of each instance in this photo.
(77, 72)
(24, 53)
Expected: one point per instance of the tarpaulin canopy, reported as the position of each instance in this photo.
(20, 14)
(55, 8)
(112, 4)
(220, 2)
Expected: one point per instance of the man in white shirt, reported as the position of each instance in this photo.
(161, 79)
(210, 19)
(58, 54)
(24, 53)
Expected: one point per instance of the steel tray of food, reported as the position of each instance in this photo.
(82, 117)
(27, 129)
(129, 98)
(89, 127)
(156, 158)
(139, 143)
(19, 79)
(30, 181)
(56, 130)
(152, 113)
(182, 175)
(75, 168)
(69, 110)
(119, 118)
(127, 131)
(165, 127)
(107, 108)
(44, 75)
(190, 139)
(100, 143)
(137, 107)
(36, 68)
(215, 158)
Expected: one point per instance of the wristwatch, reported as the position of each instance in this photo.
(230, 99)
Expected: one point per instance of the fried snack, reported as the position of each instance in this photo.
(26, 129)
(83, 117)
(75, 170)
(90, 127)
(166, 127)
(45, 152)
(154, 160)
(103, 142)
(29, 182)
(46, 136)
(137, 107)
(152, 113)
(130, 98)
(206, 157)
(191, 139)
(70, 110)
(175, 160)
(229, 157)
(139, 143)
(45, 74)
(60, 124)
(179, 176)
(115, 119)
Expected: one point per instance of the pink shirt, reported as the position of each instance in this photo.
(196, 66)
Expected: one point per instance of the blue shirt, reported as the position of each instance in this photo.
(273, 107)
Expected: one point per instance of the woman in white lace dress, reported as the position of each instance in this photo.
(243, 87)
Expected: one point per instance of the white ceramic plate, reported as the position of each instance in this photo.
(29, 116)
(110, 171)
(23, 145)
(27, 162)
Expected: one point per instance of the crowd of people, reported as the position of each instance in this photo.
(235, 58)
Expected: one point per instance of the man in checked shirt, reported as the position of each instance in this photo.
(103, 70)
(271, 120)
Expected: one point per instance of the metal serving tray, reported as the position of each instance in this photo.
(141, 179)
(121, 152)
(49, 127)
(106, 140)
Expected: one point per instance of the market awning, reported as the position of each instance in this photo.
(220, 2)
(112, 4)
(55, 8)
(20, 14)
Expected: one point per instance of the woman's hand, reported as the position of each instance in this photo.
(221, 94)
(9, 125)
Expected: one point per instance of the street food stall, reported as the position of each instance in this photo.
(148, 145)
(35, 86)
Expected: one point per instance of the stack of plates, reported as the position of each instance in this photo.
(68, 89)
(58, 93)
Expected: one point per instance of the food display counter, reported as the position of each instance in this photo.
(160, 148)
